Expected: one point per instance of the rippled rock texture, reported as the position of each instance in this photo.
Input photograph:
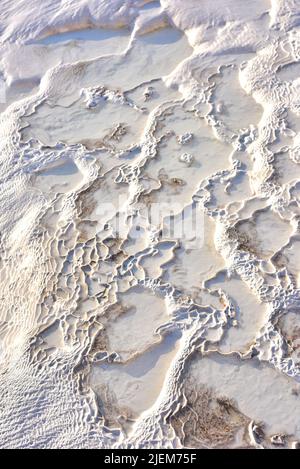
(149, 224)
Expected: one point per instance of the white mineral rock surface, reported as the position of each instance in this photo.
(150, 224)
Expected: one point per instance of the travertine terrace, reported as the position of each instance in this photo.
(120, 330)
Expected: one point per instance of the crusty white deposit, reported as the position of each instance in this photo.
(118, 340)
